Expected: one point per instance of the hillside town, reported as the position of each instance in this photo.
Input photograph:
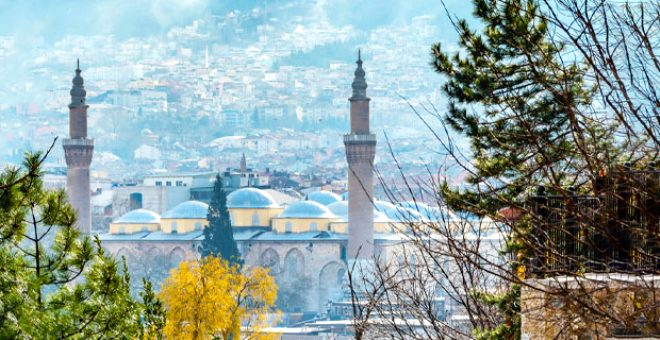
(300, 170)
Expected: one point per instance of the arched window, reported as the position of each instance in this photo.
(293, 263)
(198, 226)
(174, 231)
(135, 201)
(288, 227)
(340, 277)
(271, 260)
(328, 275)
(255, 219)
(176, 256)
(313, 226)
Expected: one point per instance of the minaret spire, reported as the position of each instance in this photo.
(78, 93)
(359, 82)
(243, 163)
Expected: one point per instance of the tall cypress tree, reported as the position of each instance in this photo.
(218, 236)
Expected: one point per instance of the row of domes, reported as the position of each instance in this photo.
(319, 204)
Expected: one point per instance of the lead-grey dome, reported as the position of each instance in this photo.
(324, 197)
(307, 209)
(139, 216)
(429, 213)
(188, 209)
(398, 213)
(341, 210)
(250, 198)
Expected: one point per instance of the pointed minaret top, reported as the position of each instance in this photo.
(243, 163)
(359, 83)
(78, 92)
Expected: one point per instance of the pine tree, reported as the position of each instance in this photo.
(218, 236)
(153, 313)
(522, 106)
(55, 283)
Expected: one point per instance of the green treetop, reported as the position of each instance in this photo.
(522, 103)
(54, 282)
(218, 235)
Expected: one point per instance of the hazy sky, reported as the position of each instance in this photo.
(125, 18)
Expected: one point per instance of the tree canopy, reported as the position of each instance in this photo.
(55, 282)
(210, 298)
(218, 235)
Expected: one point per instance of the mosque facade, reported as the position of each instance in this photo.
(306, 244)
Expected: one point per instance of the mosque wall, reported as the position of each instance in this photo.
(300, 225)
(182, 225)
(308, 269)
(130, 228)
(251, 217)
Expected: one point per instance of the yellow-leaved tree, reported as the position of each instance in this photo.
(209, 298)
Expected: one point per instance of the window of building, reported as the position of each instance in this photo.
(145, 227)
(159, 183)
(135, 201)
(198, 225)
(342, 253)
(122, 229)
(255, 219)
(340, 277)
(174, 228)
(168, 183)
(179, 183)
(288, 227)
(313, 226)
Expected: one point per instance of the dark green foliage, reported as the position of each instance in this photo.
(508, 304)
(153, 313)
(54, 282)
(218, 236)
(519, 104)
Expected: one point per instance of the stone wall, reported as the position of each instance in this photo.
(319, 272)
(592, 306)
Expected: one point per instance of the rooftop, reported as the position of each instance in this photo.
(188, 209)
(324, 197)
(139, 216)
(250, 198)
(307, 209)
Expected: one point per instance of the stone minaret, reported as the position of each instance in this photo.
(360, 151)
(243, 164)
(78, 150)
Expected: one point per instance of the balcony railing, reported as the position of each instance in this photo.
(359, 138)
(78, 142)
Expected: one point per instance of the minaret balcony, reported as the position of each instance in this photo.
(352, 138)
(77, 142)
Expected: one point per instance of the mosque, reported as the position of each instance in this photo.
(306, 244)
